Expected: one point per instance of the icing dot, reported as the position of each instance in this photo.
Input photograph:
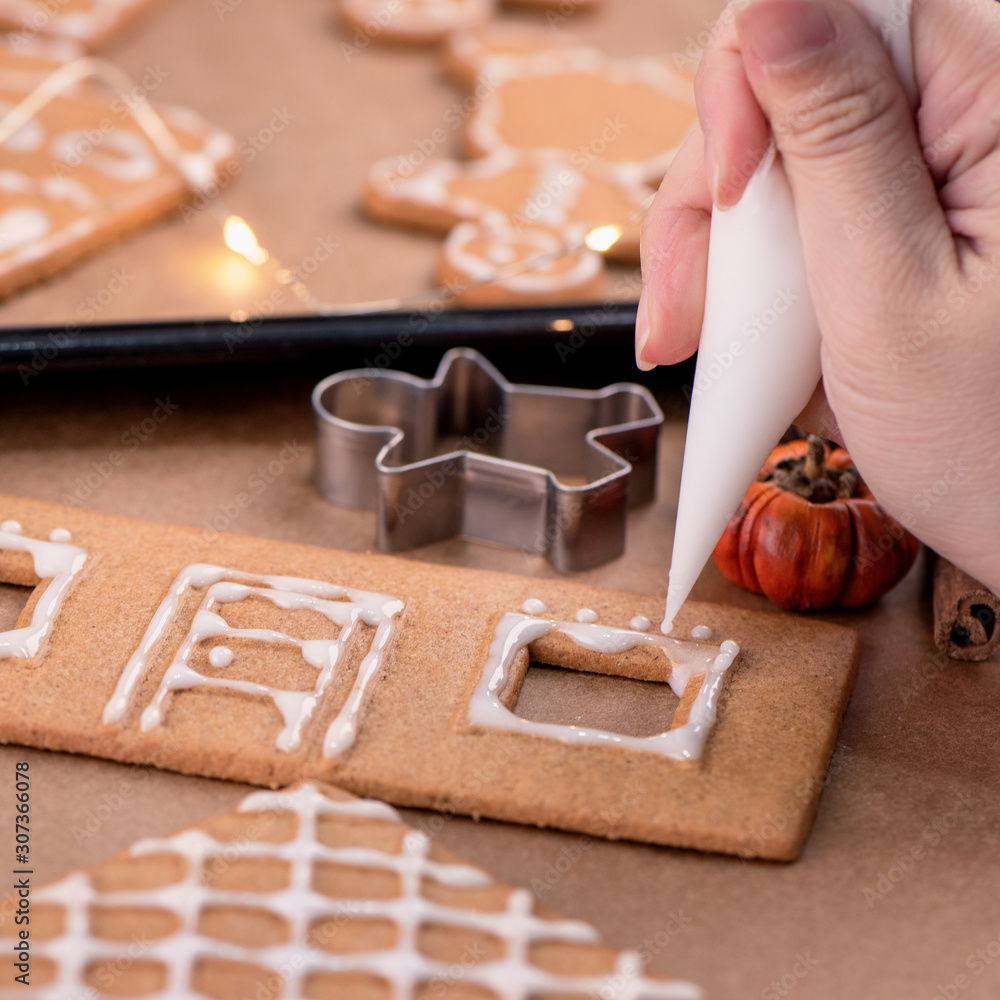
(220, 656)
(701, 632)
(640, 623)
(586, 615)
(501, 255)
(730, 647)
(533, 606)
(60, 535)
(12, 526)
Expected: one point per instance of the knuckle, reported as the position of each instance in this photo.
(837, 114)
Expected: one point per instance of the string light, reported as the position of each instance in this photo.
(241, 238)
(237, 233)
(603, 238)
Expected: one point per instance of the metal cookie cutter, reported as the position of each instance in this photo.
(548, 470)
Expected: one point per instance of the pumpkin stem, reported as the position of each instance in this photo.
(815, 465)
(810, 477)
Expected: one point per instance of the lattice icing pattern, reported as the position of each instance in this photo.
(55, 560)
(401, 966)
(345, 608)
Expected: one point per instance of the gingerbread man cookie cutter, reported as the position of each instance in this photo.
(549, 470)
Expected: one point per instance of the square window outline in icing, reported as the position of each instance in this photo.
(54, 560)
(344, 607)
(515, 632)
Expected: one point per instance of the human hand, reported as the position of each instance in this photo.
(899, 215)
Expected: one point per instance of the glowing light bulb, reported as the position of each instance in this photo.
(240, 237)
(602, 237)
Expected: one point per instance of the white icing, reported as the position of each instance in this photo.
(701, 632)
(533, 606)
(344, 607)
(417, 18)
(60, 535)
(552, 198)
(220, 656)
(120, 154)
(640, 623)
(27, 139)
(586, 615)
(54, 561)
(198, 170)
(19, 226)
(402, 966)
(82, 25)
(542, 247)
(501, 255)
(514, 632)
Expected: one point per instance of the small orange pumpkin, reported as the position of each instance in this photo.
(809, 534)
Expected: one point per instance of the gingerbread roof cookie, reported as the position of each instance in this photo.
(269, 662)
(311, 893)
(81, 172)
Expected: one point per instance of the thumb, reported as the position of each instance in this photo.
(867, 207)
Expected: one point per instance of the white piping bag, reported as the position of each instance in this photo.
(758, 358)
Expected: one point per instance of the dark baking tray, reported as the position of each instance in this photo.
(564, 344)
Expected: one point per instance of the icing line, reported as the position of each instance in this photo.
(342, 606)
(55, 561)
(514, 632)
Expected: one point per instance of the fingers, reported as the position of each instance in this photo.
(674, 258)
(818, 418)
(956, 43)
(847, 138)
(736, 132)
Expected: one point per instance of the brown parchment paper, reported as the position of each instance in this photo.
(896, 893)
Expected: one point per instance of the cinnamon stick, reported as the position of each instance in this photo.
(966, 614)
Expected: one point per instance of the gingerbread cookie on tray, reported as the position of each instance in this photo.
(307, 892)
(81, 172)
(413, 21)
(496, 263)
(269, 662)
(519, 189)
(90, 22)
(467, 53)
(623, 117)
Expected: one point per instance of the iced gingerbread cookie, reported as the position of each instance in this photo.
(311, 893)
(81, 172)
(271, 663)
(413, 21)
(519, 189)
(624, 117)
(467, 53)
(496, 263)
(24, 65)
(89, 22)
